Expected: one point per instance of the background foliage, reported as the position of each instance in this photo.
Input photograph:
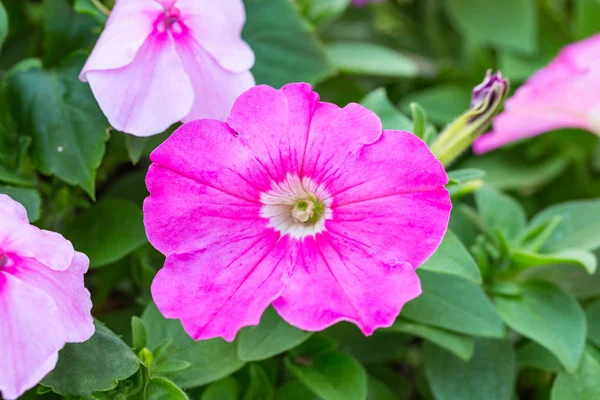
(511, 301)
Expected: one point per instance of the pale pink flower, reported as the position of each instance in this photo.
(564, 94)
(296, 203)
(162, 61)
(43, 302)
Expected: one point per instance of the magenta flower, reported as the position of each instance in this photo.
(43, 302)
(296, 203)
(162, 61)
(563, 94)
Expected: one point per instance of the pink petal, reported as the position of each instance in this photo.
(217, 291)
(339, 279)
(12, 209)
(31, 333)
(217, 25)
(129, 24)
(67, 291)
(215, 88)
(149, 94)
(195, 204)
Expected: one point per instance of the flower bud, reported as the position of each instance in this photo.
(486, 101)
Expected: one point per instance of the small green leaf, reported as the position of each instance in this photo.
(138, 333)
(260, 387)
(93, 366)
(465, 175)
(378, 102)
(419, 120)
(512, 26)
(578, 229)
(454, 303)
(587, 14)
(458, 344)
(489, 375)
(210, 359)
(163, 389)
(593, 322)
(171, 366)
(549, 316)
(3, 24)
(453, 258)
(536, 356)
(442, 103)
(285, 49)
(371, 59)
(584, 384)
(224, 389)
(135, 147)
(64, 121)
(108, 231)
(501, 213)
(332, 376)
(270, 337)
(319, 11)
(295, 390)
(88, 7)
(581, 258)
(29, 198)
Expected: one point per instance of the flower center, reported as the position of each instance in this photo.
(170, 21)
(171, 15)
(297, 207)
(3, 259)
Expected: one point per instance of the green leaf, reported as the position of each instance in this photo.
(371, 59)
(489, 375)
(138, 333)
(377, 390)
(442, 103)
(12, 178)
(318, 11)
(29, 198)
(419, 120)
(3, 24)
(270, 337)
(507, 171)
(260, 387)
(513, 26)
(108, 231)
(454, 303)
(453, 258)
(378, 102)
(295, 390)
(170, 367)
(587, 14)
(210, 359)
(64, 31)
(87, 7)
(285, 49)
(581, 258)
(163, 389)
(593, 322)
(536, 356)
(135, 147)
(546, 314)
(584, 384)
(501, 213)
(93, 366)
(64, 121)
(465, 175)
(458, 344)
(578, 229)
(332, 376)
(224, 389)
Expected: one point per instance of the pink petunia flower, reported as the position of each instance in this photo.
(162, 61)
(43, 302)
(296, 203)
(563, 94)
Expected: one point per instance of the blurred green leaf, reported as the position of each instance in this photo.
(454, 303)
(163, 389)
(378, 102)
(138, 333)
(501, 213)
(332, 376)
(458, 344)
(512, 26)
(260, 387)
(224, 389)
(93, 366)
(29, 198)
(295, 390)
(319, 11)
(210, 359)
(546, 314)
(584, 384)
(578, 229)
(489, 375)
(65, 123)
(88, 7)
(3, 24)
(592, 314)
(108, 231)
(536, 356)
(270, 337)
(582, 258)
(377, 390)
(285, 49)
(371, 59)
(587, 15)
(452, 257)
(135, 147)
(443, 103)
